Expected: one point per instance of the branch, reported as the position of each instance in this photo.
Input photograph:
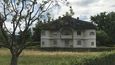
(17, 23)
(5, 17)
(40, 13)
(30, 18)
(13, 6)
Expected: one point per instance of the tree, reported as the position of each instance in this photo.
(37, 33)
(21, 14)
(102, 38)
(105, 22)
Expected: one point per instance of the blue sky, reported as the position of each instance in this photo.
(86, 8)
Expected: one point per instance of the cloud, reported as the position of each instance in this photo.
(86, 8)
(84, 2)
(83, 8)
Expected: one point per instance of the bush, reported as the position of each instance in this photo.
(102, 38)
(103, 59)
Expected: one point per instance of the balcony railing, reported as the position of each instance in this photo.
(66, 36)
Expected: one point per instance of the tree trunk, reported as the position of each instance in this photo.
(14, 59)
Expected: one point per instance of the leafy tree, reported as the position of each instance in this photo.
(21, 14)
(102, 38)
(106, 22)
(37, 33)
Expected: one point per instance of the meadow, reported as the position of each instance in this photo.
(36, 57)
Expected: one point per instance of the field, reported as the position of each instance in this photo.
(33, 57)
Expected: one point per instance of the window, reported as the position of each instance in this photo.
(43, 32)
(79, 42)
(66, 31)
(54, 42)
(92, 33)
(92, 43)
(43, 42)
(78, 32)
(54, 33)
(66, 42)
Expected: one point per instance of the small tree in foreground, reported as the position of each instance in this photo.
(21, 14)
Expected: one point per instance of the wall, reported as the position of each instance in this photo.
(85, 38)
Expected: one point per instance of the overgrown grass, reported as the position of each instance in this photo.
(31, 57)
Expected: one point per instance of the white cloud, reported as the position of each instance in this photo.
(86, 8)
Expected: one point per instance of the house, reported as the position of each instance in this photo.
(68, 32)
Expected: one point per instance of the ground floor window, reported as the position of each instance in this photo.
(66, 42)
(78, 32)
(79, 42)
(92, 43)
(43, 42)
(54, 42)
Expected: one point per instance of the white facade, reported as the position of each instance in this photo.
(69, 38)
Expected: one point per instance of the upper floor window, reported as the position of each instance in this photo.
(78, 32)
(54, 33)
(66, 31)
(43, 32)
(92, 33)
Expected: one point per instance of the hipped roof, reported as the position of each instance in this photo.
(67, 21)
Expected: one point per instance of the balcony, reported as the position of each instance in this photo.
(66, 36)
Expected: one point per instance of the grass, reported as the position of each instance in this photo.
(34, 57)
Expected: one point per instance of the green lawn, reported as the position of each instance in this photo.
(30, 57)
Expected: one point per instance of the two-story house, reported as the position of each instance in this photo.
(68, 32)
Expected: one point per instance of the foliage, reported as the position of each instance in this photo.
(37, 33)
(1, 37)
(106, 22)
(102, 38)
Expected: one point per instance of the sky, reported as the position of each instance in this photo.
(86, 8)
